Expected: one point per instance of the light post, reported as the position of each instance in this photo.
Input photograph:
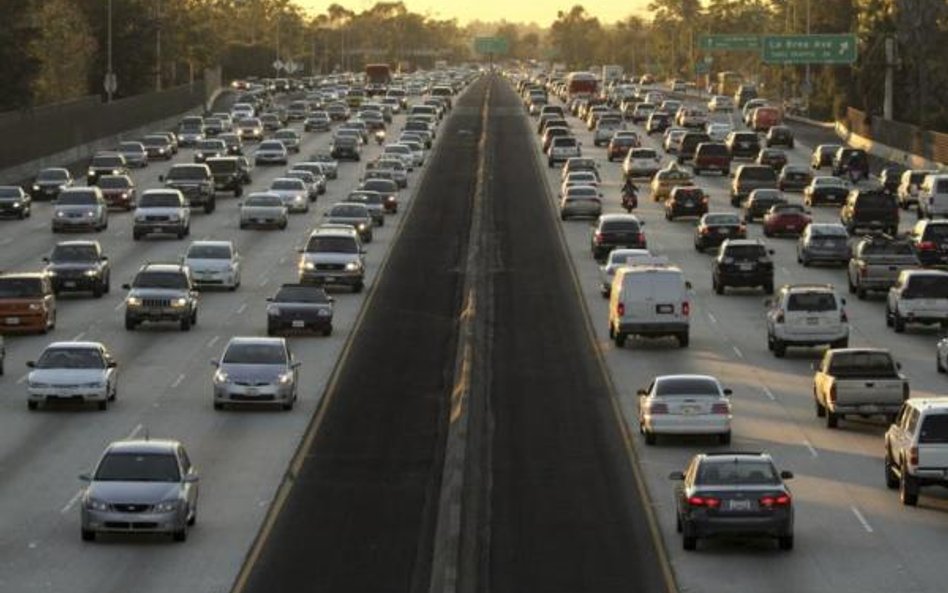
(157, 45)
(809, 88)
(109, 75)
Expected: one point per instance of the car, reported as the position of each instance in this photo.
(213, 263)
(615, 231)
(562, 148)
(743, 145)
(329, 164)
(916, 455)
(250, 128)
(293, 192)
(642, 111)
(650, 301)
(333, 256)
(848, 161)
(623, 257)
(909, 184)
(172, 139)
(256, 371)
(773, 157)
(213, 127)
(191, 130)
(686, 200)
(743, 263)
(785, 219)
(667, 178)
(134, 153)
(314, 185)
(751, 178)
(718, 131)
(196, 184)
(579, 178)
(161, 211)
(338, 111)
(271, 152)
(209, 149)
(930, 238)
(759, 203)
(158, 146)
(606, 127)
(672, 138)
(933, 196)
(822, 155)
(779, 136)
(580, 164)
(290, 139)
(396, 165)
(27, 303)
(720, 103)
(871, 210)
(49, 182)
(300, 307)
(918, 297)
(715, 227)
(160, 293)
(733, 494)
(689, 144)
(263, 209)
(619, 145)
(582, 201)
(80, 208)
(794, 178)
(271, 122)
(641, 162)
(805, 315)
(402, 152)
(81, 372)
(75, 266)
(233, 142)
(387, 188)
(230, 173)
(317, 121)
(876, 261)
(297, 110)
(822, 242)
(119, 191)
(684, 405)
(140, 486)
(657, 122)
(711, 156)
(373, 201)
(346, 147)
(106, 163)
(825, 188)
(691, 117)
(15, 202)
(357, 216)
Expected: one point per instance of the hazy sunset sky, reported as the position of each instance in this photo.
(543, 13)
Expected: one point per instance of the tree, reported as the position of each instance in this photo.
(571, 37)
(17, 65)
(63, 51)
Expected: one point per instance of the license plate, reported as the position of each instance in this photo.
(791, 227)
(690, 410)
(299, 323)
(689, 204)
(69, 284)
(745, 267)
(12, 321)
(812, 321)
(664, 308)
(738, 505)
(253, 391)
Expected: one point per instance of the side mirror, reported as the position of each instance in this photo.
(215, 363)
(85, 477)
(641, 392)
(161, 178)
(728, 391)
(127, 286)
(31, 364)
(786, 475)
(112, 364)
(676, 476)
(688, 284)
(191, 478)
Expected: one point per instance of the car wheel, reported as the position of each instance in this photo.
(832, 419)
(908, 489)
(102, 405)
(785, 542)
(678, 527)
(218, 406)
(619, 339)
(186, 323)
(88, 535)
(725, 438)
(769, 287)
(97, 291)
(939, 367)
(357, 287)
(780, 348)
(180, 535)
(650, 437)
(130, 323)
(683, 340)
(820, 409)
(192, 520)
(689, 543)
(717, 286)
(891, 479)
(898, 323)
(32, 406)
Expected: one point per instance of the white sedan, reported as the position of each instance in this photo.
(685, 405)
(214, 263)
(293, 192)
(72, 372)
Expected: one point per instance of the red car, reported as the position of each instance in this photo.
(619, 146)
(785, 219)
(118, 191)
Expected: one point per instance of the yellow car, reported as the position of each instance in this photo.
(668, 178)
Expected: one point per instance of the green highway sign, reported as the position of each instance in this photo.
(809, 49)
(490, 45)
(729, 42)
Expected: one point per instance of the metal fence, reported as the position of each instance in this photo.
(932, 146)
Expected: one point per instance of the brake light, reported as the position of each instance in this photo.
(913, 456)
(780, 500)
(620, 309)
(658, 408)
(927, 246)
(863, 270)
(686, 308)
(597, 237)
(640, 238)
(705, 231)
(832, 394)
(704, 501)
(720, 408)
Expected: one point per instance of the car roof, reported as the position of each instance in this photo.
(76, 344)
(261, 340)
(338, 231)
(143, 446)
(619, 217)
(219, 243)
(659, 378)
(929, 403)
(157, 267)
(740, 242)
(808, 287)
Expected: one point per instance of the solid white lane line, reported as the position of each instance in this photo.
(78, 337)
(769, 393)
(212, 341)
(738, 352)
(119, 305)
(177, 381)
(712, 318)
(241, 308)
(811, 448)
(861, 519)
(72, 502)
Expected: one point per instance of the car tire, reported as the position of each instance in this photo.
(102, 405)
(769, 287)
(683, 339)
(717, 286)
(908, 489)
(180, 535)
(780, 348)
(650, 437)
(891, 479)
(32, 406)
(832, 419)
(218, 406)
(186, 323)
(357, 287)
(88, 535)
(725, 438)
(619, 339)
(689, 543)
(130, 324)
(938, 366)
(898, 324)
(820, 408)
(136, 236)
(192, 520)
(785, 542)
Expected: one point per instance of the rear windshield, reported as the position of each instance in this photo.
(861, 364)
(875, 200)
(380, 185)
(736, 472)
(620, 225)
(926, 286)
(934, 429)
(758, 174)
(113, 182)
(222, 166)
(301, 294)
(941, 187)
(696, 386)
(713, 150)
(722, 219)
(811, 301)
(888, 248)
(745, 251)
(18, 288)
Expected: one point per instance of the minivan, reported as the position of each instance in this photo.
(649, 301)
(933, 196)
(712, 156)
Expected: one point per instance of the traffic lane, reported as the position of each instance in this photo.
(202, 373)
(565, 512)
(865, 476)
(364, 497)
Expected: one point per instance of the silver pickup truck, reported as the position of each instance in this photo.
(876, 262)
(858, 382)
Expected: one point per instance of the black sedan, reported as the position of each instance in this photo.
(825, 189)
(77, 266)
(733, 494)
(773, 157)
(686, 200)
(299, 307)
(794, 178)
(715, 227)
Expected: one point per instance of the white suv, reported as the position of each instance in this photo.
(806, 315)
(918, 296)
(916, 447)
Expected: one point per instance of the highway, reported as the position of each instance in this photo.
(164, 391)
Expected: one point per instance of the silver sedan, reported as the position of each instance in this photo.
(262, 209)
(72, 371)
(581, 200)
(259, 371)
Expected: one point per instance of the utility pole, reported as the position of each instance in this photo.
(809, 88)
(157, 45)
(890, 63)
(109, 75)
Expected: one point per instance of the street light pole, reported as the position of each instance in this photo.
(808, 32)
(157, 45)
(108, 73)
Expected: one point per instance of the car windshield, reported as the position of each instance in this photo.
(287, 184)
(173, 280)
(736, 472)
(690, 386)
(875, 200)
(211, 145)
(52, 175)
(138, 467)
(620, 226)
(74, 253)
(927, 286)
(255, 353)
(160, 200)
(301, 294)
(19, 288)
(79, 198)
(114, 182)
(386, 186)
(811, 301)
(207, 251)
(745, 252)
(10, 192)
(187, 172)
(71, 358)
(222, 165)
(347, 211)
(332, 245)
(130, 147)
(887, 248)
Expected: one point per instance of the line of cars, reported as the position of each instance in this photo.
(742, 492)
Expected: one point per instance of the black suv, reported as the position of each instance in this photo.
(345, 147)
(195, 182)
(106, 163)
(870, 209)
(744, 263)
(228, 174)
(689, 145)
(613, 231)
(78, 266)
(743, 144)
(161, 292)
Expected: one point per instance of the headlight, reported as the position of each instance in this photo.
(90, 273)
(16, 204)
(35, 306)
(91, 171)
(285, 378)
(273, 310)
(133, 301)
(115, 171)
(324, 313)
(179, 302)
(298, 198)
(352, 266)
(96, 505)
(308, 265)
(166, 506)
(90, 214)
(36, 187)
(60, 214)
(361, 226)
(220, 377)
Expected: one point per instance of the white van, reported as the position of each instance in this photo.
(933, 196)
(649, 301)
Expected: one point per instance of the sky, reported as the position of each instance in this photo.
(540, 12)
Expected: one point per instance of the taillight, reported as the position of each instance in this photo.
(620, 309)
(640, 238)
(686, 308)
(771, 501)
(927, 246)
(720, 408)
(913, 456)
(704, 501)
(832, 394)
(658, 408)
(597, 237)
(863, 270)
